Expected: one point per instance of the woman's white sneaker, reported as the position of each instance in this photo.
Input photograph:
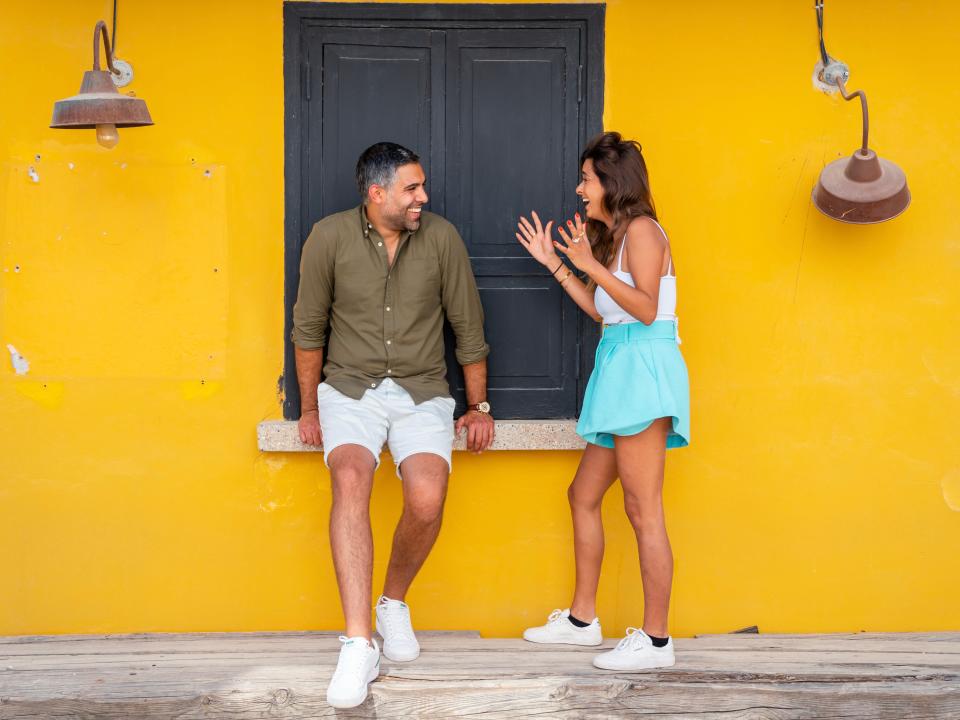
(636, 652)
(393, 624)
(560, 630)
(359, 664)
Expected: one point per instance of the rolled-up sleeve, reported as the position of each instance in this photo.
(311, 312)
(461, 301)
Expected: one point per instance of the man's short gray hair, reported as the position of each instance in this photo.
(378, 165)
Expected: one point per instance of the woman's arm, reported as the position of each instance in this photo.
(645, 246)
(578, 292)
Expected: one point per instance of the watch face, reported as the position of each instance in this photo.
(483, 407)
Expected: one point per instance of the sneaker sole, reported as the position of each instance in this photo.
(564, 642)
(398, 658)
(353, 702)
(635, 668)
(393, 657)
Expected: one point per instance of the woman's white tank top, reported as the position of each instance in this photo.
(613, 314)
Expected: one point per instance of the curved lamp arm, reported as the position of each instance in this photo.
(101, 27)
(863, 108)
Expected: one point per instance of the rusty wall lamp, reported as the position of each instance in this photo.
(863, 188)
(98, 104)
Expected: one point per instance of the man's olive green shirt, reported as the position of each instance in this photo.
(387, 321)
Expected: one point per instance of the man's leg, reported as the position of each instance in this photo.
(424, 492)
(351, 539)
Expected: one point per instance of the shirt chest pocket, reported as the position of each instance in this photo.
(359, 285)
(420, 279)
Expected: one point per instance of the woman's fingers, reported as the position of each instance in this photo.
(536, 221)
(527, 232)
(525, 225)
(561, 248)
(578, 223)
(546, 230)
(525, 243)
(563, 233)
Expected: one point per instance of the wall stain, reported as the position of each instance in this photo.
(21, 366)
(950, 486)
(47, 394)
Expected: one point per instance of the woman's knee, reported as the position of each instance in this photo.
(643, 513)
(581, 499)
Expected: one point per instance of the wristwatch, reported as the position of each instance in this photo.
(483, 407)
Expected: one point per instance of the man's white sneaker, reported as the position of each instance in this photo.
(559, 629)
(393, 624)
(359, 664)
(636, 652)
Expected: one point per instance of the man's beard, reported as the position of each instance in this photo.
(400, 221)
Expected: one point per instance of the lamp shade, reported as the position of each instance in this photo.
(99, 103)
(862, 189)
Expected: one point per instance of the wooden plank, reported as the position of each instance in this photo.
(256, 675)
(556, 697)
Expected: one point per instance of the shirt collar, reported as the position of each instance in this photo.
(370, 230)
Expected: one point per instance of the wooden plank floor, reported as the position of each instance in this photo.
(284, 675)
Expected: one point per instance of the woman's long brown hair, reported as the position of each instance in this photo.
(622, 172)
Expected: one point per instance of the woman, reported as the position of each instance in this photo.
(637, 400)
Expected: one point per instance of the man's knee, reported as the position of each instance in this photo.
(351, 473)
(425, 489)
(426, 508)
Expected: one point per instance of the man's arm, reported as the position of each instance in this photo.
(480, 426)
(309, 365)
(310, 317)
(461, 304)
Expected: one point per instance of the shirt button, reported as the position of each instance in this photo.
(388, 308)
(389, 371)
(380, 244)
(373, 385)
(389, 342)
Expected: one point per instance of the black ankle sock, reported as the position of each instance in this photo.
(659, 642)
(577, 621)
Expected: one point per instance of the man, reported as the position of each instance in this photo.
(381, 277)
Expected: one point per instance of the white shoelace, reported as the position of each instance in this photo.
(634, 640)
(555, 616)
(351, 658)
(397, 620)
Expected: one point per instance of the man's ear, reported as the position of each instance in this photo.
(376, 194)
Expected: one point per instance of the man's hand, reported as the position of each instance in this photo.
(309, 427)
(480, 429)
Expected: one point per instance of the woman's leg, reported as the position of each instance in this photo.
(640, 462)
(596, 473)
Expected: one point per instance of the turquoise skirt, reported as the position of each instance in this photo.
(639, 376)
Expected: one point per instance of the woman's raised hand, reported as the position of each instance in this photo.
(537, 241)
(577, 246)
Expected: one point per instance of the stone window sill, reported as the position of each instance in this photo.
(282, 436)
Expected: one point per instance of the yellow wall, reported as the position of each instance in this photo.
(822, 489)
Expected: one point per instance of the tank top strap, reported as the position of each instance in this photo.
(623, 244)
(669, 259)
(661, 229)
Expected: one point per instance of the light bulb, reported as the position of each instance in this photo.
(107, 135)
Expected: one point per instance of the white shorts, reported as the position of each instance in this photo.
(386, 414)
